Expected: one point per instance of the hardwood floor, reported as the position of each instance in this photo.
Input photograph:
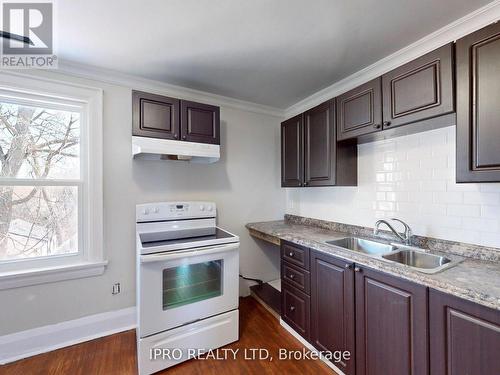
(116, 354)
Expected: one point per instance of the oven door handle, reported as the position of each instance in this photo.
(208, 250)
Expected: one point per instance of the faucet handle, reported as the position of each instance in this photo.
(408, 232)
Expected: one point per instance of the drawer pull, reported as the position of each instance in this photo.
(292, 308)
(291, 276)
(290, 254)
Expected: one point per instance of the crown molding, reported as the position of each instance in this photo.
(478, 19)
(113, 77)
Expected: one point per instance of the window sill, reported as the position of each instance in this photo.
(9, 280)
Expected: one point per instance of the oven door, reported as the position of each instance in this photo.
(181, 287)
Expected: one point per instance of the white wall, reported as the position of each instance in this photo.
(412, 178)
(245, 184)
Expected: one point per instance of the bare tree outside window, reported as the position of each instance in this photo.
(38, 145)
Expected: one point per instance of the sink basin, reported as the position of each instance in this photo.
(363, 246)
(422, 261)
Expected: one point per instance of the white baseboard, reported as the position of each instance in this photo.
(44, 339)
(309, 346)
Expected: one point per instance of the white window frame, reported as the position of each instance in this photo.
(90, 260)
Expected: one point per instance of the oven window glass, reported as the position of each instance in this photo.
(191, 283)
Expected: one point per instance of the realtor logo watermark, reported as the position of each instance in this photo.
(33, 20)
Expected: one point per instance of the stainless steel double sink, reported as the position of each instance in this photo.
(415, 258)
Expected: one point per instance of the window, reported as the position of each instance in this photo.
(50, 181)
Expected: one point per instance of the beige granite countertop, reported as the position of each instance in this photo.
(474, 280)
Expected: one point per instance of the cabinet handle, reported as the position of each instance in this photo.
(377, 126)
(176, 136)
(291, 276)
(387, 123)
(357, 269)
(292, 308)
(184, 137)
(305, 183)
(290, 254)
(348, 266)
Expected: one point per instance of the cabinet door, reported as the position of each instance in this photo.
(319, 146)
(292, 157)
(391, 325)
(295, 309)
(359, 111)
(200, 122)
(155, 116)
(332, 306)
(478, 109)
(419, 90)
(465, 337)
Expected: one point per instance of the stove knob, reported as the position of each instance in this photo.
(146, 211)
(157, 210)
(210, 208)
(202, 208)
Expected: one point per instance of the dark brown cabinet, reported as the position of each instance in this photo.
(296, 277)
(391, 325)
(155, 116)
(158, 116)
(310, 155)
(200, 122)
(478, 109)
(292, 160)
(332, 306)
(359, 111)
(419, 90)
(465, 337)
(319, 146)
(295, 309)
(295, 298)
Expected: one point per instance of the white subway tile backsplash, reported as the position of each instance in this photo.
(463, 210)
(490, 211)
(413, 178)
(481, 198)
(480, 224)
(448, 197)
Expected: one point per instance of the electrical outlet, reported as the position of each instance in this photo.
(116, 288)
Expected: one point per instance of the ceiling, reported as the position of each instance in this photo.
(272, 52)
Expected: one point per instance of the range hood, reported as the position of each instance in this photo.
(167, 149)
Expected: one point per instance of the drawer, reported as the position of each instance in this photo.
(296, 277)
(295, 254)
(295, 309)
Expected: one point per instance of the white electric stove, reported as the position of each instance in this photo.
(187, 281)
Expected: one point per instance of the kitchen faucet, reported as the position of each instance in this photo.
(405, 237)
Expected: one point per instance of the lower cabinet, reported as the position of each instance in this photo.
(332, 306)
(296, 309)
(465, 337)
(391, 325)
(380, 319)
(295, 287)
(388, 324)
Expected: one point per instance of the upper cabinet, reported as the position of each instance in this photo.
(359, 111)
(419, 90)
(319, 146)
(310, 155)
(292, 161)
(419, 94)
(478, 109)
(155, 116)
(158, 116)
(200, 122)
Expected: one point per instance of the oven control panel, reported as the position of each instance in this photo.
(174, 211)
